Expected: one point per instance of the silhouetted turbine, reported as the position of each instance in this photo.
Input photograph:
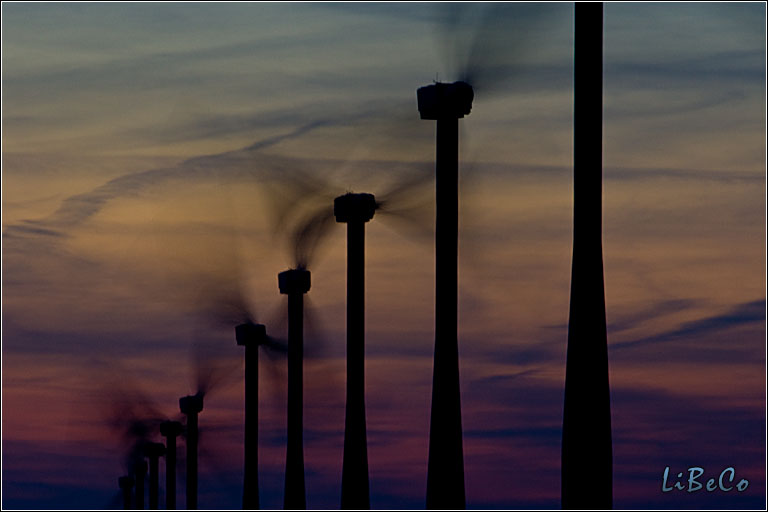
(126, 486)
(153, 452)
(446, 103)
(251, 336)
(139, 475)
(587, 452)
(170, 430)
(295, 283)
(191, 406)
(355, 210)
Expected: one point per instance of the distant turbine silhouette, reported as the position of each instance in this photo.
(252, 336)
(170, 430)
(191, 406)
(446, 103)
(126, 486)
(154, 451)
(140, 475)
(355, 210)
(295, 283)
(586, 450)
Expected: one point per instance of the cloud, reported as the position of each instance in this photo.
(209, 125)
(741, 68)
(157, 66)
(615, 173)
(28, 227)
(637, 318)
(744, 314)
(232, 165)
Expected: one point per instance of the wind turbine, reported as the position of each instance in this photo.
(252, 337)
(587, 457)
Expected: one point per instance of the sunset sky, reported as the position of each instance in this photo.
(155, 155)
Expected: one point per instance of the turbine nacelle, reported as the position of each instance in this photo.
(294, 281)
(445, 100)
(191, 404)
(354, 207)
(250, 334)
(154, 450)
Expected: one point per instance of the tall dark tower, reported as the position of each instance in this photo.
(170, 430)
(587, 453)
(153, 452)
(251, 336)
(355, 210)
(446, 103)
(140, 475)
(295, 283)
(192, 406)
(126, 487)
